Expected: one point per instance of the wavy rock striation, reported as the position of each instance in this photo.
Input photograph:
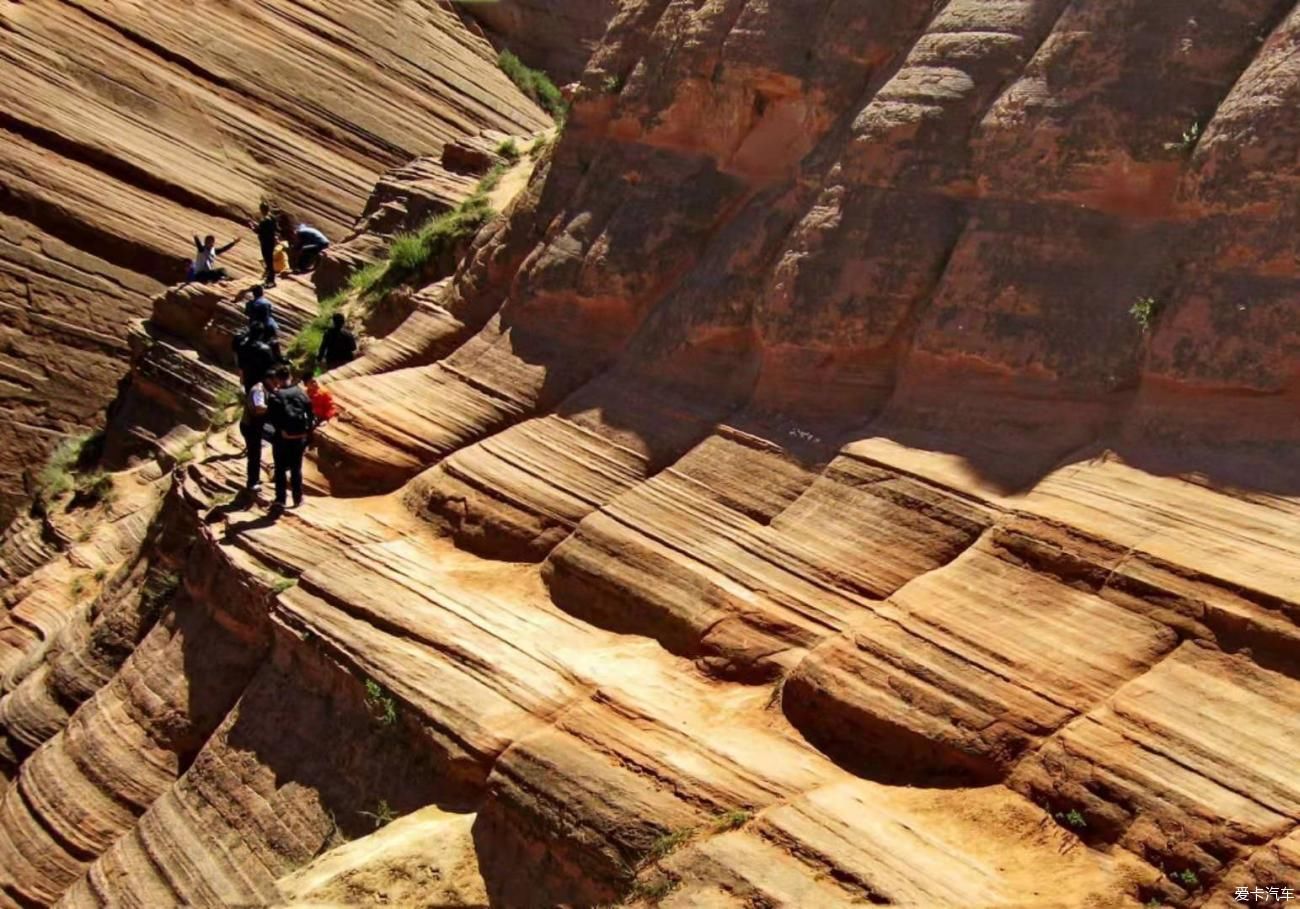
(853, 470)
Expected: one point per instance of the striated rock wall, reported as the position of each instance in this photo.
(129, 127)
(781, 505)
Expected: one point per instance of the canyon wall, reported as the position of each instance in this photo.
(857, 467)
(129, 127)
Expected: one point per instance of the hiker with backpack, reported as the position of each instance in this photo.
(266, 229)
(337, 346)
(290, 414)
(204, 269)
(252, 424)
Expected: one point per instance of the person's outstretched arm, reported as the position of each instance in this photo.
(198, 244)
(228, 246)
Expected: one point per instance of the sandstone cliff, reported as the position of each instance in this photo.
(857, 468)
(129, 127)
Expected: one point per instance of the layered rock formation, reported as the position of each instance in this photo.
(854, 470)
(130, 127)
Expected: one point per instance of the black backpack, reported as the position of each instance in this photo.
(255, 358)
(294, 415)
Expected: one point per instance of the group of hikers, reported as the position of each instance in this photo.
(286, 245)
(281, 406)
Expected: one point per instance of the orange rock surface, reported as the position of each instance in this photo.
(856, 467)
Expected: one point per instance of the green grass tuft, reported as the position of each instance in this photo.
(535, 84)
(669, 843)
(509, 150)
(732, 820)
(282, 583)
(1186, 143)
(1187, 879)
(364, 279)
(382, 707)
(58, 476)
(408, 253)
(383, 815)
(1145, 311)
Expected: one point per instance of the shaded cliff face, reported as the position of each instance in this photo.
(130, 127)
(856, 469)
(557, 38)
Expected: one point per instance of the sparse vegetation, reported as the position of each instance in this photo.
(612, 85)
(78, 586)
(158, 588)
(58, 477)
(732, 820)
(223, 403)
(282, 583)
(383, 814)
(185, 455)
(1145, 311)
(654, 889)
(535, 84)
(509, 150)
(100, 574)
(540, 144)
(669, 843)
(1187, 879)
(410, 252)
(382, 707)
(363, 279)
(1186, 143)
(94, 488)
(1073, 819)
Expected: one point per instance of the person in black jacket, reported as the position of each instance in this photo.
(338, 346)
(289, 412)
(267, 231)
(256, 352)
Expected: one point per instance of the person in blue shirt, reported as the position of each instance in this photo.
(306, 243)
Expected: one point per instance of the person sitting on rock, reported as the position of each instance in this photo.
(205, 270)
(289, 412)
(337, 345)
(267, 230)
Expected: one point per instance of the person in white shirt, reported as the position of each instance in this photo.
(204, 269)
(251, 426)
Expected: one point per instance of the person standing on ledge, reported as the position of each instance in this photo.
(266, 229)
(289, 411)
(337, 346)
(204, 270)
(251, 425)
